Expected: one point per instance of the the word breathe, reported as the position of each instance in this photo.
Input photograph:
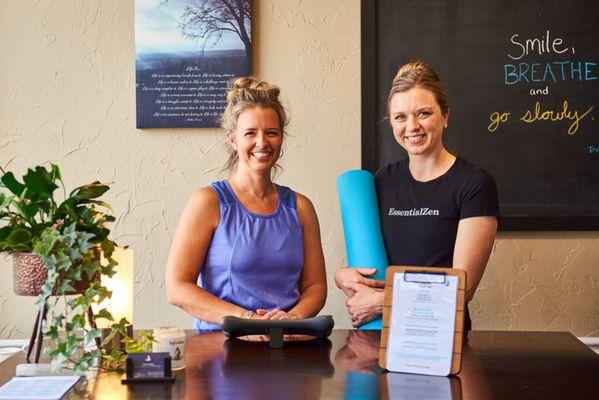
(555, 71)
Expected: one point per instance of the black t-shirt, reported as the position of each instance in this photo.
(420, 219)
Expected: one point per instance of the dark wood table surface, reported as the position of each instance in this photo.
(495, 365)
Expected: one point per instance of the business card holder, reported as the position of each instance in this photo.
(148, 368)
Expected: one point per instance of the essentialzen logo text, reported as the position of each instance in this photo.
(414, 212)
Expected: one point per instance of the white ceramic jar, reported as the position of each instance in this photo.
(171, 340)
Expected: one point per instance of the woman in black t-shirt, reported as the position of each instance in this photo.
(437, 210)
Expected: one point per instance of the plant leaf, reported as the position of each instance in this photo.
(91, 335)
(103, 313)
(57, 321)
(102, 203)
(109, 269)
(55, 173)
(17, 248)
(65, 287)
(11, 183)
(45, 243)
(29, 210)
(52, 333)
(62, 209)
(101, 234)
(78, 320)
(39, 181)
(90, 191)
(4, 232)
(18, 236)
(4, 200)
(104, 294)
(108, 247)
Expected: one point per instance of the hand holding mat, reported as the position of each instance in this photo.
(362, 226)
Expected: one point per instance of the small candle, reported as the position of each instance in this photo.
(171, 340)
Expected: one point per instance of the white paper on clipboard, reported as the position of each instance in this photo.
(422, 323)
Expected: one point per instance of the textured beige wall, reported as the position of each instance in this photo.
(67, 96)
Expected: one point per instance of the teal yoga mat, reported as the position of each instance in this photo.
(362, 225)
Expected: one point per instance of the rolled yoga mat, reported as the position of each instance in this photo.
(362, 226)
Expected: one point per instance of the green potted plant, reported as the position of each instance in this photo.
(60, 251)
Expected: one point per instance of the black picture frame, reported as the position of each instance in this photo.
(530, 217)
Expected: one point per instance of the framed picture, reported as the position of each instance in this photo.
(186, 52)
(523, 87)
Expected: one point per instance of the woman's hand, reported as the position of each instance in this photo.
(274, 314)
(347, 278)
(366, 304)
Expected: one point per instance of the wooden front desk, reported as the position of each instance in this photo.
(495, 365)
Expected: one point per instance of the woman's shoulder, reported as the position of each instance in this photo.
(288, 197)
(303, 201)
(477, 192)
(206, 192)
(205, 198)
(292, 198)
(202, 208)
(469, 172)
(391, 169)
(474, 181)
(305, 208)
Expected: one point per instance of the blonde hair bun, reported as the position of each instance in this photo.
(248, 87)
(417, 69)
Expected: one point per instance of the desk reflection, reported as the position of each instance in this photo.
(220, 368)
(474, 382)
(420, 387)
(361, 352)
(366, 380)
(360, 356)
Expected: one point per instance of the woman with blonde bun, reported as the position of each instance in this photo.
(437, 209)
(246, 246)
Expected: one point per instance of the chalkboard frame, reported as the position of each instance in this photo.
(370, 157)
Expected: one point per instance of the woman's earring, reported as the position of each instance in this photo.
(446, 125)
(281, 153)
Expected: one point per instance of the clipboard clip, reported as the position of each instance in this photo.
(425, 277)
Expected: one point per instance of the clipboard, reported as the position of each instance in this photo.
(456, 362)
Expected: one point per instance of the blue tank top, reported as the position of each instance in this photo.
(254, 260)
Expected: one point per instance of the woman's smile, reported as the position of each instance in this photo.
(262, 155)
(415, 139)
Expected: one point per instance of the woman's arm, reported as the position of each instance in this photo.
(313, 281)
(473, 246)
(186, 257)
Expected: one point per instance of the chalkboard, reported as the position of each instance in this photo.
(523, 89)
